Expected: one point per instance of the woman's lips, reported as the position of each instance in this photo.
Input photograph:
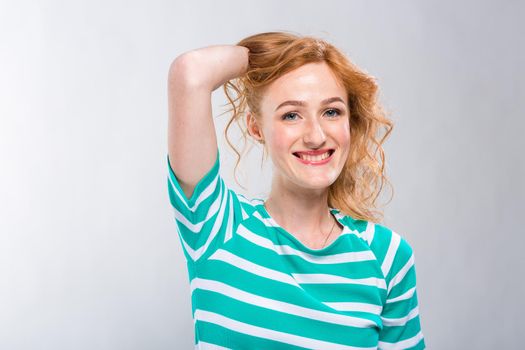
(316, 152)
(315, 162)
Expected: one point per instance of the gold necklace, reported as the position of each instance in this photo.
(326, 239)
(329, 233)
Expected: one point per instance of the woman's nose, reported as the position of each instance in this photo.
(314, 134)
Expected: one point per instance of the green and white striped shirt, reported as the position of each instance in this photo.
(256, 286)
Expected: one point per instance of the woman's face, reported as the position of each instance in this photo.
(305, 110)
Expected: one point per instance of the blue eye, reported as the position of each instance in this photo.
(288, 114)
(338, 112)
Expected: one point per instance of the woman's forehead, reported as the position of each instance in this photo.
(312, 83)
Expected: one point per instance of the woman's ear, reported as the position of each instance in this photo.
(253, 127)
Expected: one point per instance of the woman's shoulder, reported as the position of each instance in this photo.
(249, 205)
(382, 239)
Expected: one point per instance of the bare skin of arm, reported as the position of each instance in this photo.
(192, 77)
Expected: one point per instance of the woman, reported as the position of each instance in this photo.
(309, 267)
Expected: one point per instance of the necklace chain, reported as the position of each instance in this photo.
(328, 235)
(326, 239)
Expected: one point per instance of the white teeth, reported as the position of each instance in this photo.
(314, 158)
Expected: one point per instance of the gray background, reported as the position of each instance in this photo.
(89, 255)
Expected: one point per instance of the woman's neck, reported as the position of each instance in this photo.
(305, 214)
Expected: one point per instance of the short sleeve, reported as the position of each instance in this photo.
(207, 219)
(400, 314)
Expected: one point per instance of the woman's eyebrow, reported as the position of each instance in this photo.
(303, 103)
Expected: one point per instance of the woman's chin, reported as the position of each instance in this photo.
(317, 183)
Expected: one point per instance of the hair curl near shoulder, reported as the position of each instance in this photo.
(272, 55)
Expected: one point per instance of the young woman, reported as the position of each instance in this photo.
(309, 267)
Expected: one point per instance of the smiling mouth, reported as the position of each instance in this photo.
(316, 158)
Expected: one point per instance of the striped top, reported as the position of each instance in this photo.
(256, 286)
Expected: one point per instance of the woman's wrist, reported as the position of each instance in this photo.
(211, 66)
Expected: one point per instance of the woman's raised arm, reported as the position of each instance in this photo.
(192, 77)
